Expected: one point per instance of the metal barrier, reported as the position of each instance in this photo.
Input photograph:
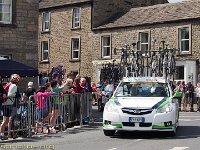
(15, 118)
(58, 111)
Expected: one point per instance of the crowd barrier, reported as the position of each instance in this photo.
(33, 115)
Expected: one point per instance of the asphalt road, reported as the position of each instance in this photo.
(92, 138)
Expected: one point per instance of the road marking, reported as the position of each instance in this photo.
(189, 116)
(189, 119)
(138, 140)
(112, 149)
(179, 148)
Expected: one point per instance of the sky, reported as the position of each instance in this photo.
(174, 1)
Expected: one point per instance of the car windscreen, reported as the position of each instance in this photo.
(144, 89)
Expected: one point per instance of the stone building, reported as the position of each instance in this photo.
(65, 30)
(177, 24)
(82, 34)
(19, 31)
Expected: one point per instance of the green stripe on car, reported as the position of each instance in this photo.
(112, 125)
(162, 127)
(164, 103)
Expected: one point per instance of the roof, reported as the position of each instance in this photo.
(51, 3)
(8, 67)
(160, 13)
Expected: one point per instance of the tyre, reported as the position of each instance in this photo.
(173, 133)
(100, 107)
(109, 132)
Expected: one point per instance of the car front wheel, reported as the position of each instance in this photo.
(109, 132)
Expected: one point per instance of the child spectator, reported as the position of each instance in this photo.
(41, 99)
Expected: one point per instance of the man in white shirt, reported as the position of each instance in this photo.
(8, 104)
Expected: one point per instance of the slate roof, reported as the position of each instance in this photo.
(56, 3)
(160, 13)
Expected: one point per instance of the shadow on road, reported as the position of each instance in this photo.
(183, 132)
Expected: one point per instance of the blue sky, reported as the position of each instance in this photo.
(174, 1)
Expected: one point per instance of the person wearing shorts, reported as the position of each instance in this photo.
(8, 104)
(56, 103)
(42, 110)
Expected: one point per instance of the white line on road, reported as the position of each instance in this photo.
(112, 149)
(179, 148)
(189, 116)
(189, 119)
(138, 140)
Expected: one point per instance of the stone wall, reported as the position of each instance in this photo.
(21, 38)
(166, 32)
(60, 40)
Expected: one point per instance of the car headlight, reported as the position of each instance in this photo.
(167, 108)
(110, 107)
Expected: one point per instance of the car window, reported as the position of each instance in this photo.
(129, 89)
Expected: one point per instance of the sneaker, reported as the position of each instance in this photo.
(191, 110)
(3, 137)
(53, 131)
(46, 131)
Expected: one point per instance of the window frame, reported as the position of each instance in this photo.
(42, 50)
(140, 43)
(179, 37)
(74, 18)
(79, 49)
(11, 14)
(102, 46)
(44, 21)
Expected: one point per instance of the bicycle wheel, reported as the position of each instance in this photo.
(172, 67)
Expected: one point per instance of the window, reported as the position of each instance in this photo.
(180, 72)
(184, 39)
(45, 51)
(75, 48)
(76, 18)
(144, 41)
(46, 21)
(106, 46)
(6, 11)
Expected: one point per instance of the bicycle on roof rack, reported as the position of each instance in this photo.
(153, 63)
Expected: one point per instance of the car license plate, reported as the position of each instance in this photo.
(136, 119)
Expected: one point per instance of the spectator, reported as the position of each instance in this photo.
(8, 105)
(83, 84)
(172, 85)
(29, 92)
(190, 95)
(178, 93)
(184, 98)
(42, 109)
(197, 91)
(70, 76)
(77, 86)
(88, 84)
(69, 86)
(55, 104)
(94, 92)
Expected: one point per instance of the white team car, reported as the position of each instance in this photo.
(141, 104)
